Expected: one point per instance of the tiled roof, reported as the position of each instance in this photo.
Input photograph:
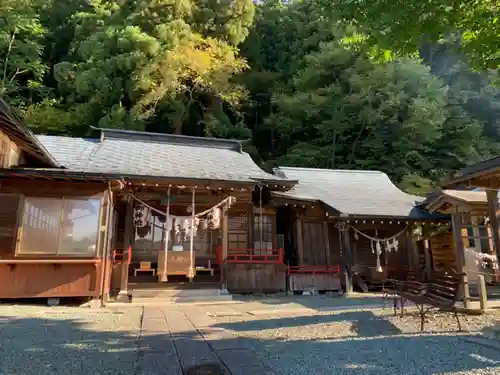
(141, 154)
(352, 192)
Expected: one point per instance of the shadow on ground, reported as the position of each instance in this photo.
(65, 346)
(364, 323)
(318, 301)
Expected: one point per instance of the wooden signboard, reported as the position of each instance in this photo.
(178, 262)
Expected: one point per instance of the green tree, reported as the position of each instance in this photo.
(126, 61)
(21, 50)
(347, 111)
(402, 26)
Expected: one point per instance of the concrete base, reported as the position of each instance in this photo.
(124, 296)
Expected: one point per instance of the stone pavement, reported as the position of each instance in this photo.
(174, 339)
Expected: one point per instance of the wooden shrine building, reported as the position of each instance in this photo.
(471, 230)
(355, 221)
(127, 211)
(85, 217)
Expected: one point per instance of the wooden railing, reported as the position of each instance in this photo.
(313, 270)
(255, 256)
(119, 256)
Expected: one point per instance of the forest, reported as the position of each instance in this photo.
(406, 87)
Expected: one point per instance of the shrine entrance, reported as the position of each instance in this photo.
(170, 241)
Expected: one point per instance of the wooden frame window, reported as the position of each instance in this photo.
(267, 232)
(238, 232)
(59, 226)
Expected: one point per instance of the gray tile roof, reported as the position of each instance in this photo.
(140, 154)
(351, 192)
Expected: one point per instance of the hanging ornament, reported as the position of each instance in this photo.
(141, 216)
(379, 252)
(143, 231)
(379, 267)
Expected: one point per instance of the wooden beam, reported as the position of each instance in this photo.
(494, 216)
(128, 239)
(327, 242)
(460, 256)
(411, 249)
(224, 233)
(347, 260)
(300, 248)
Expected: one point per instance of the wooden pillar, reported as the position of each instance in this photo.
(107, 251)
(300, 248)
(427, 257)
(327, 242)
(224, 237)
(460, 255)
(346, 259)
(411, 249)
(483, 294)
(494, 216)
(128, 239)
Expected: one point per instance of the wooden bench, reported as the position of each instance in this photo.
(410, 282)
(145, 267)
(441, 292)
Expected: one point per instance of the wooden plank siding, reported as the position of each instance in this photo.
(45, 275)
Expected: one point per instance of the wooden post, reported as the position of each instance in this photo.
(483, 295)
(300, 248)
(327, 242)
(106, 257)
(123, 295)
(460, 256)
(347, 259)
(224, 230)
(494, 215)
(427, 258)
(411, 249)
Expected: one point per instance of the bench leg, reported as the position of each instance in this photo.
(458, 321)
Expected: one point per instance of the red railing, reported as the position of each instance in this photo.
(313, 270)
(255, 256)
(118, 256)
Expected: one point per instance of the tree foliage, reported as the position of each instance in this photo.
(403, 25)
(343, 84)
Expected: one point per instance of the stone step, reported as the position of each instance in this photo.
(177, 293)
(196, 299)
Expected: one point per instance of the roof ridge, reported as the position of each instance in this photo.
(334, 170)
(231, 144)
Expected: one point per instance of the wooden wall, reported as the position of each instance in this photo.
(23, 276)
(363, 258)
(255, 278)
(315, 237)
(10, 154)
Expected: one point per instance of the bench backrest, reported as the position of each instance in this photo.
(443, 287)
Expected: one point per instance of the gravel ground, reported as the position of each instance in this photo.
(365, 342)
(79, 341)
(42, 340)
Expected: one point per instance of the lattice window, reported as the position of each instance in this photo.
(238, 223)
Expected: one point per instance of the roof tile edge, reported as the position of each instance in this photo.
(326, 170)
(229, 144)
